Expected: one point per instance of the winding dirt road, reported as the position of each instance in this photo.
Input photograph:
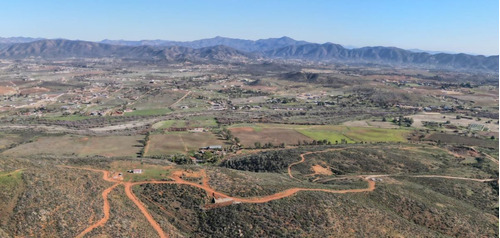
(145, 212)
(303, 159)
(105, 209)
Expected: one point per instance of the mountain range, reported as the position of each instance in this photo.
(57, 49)
(223, 49)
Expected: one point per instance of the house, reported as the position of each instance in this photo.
(215, 147)
(221, 200)
(212, 147)
(135, 171)
(198, 129)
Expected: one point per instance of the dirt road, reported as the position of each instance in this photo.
(145, 212)
(180, 99)
(451, 177)
(105, 208)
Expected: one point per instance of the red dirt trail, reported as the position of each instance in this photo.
(105, 209)
(145, 212)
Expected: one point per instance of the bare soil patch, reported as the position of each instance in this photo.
(318, 169)
(7, 90)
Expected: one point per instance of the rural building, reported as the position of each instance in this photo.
(476, 127)
(135, 171)
(221, 200)
(198, 129)
(214, 147)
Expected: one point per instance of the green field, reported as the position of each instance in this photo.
(11, 179)
(331, 133)
(367, 134)
(149, 172)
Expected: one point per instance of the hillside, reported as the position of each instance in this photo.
(384, 55)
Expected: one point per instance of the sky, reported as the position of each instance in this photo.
(469, 26)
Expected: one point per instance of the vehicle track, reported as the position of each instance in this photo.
(105, 208)
(144, 210)
(11, 172)
(180, 99)
(451, 177)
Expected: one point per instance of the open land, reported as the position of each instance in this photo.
(112, 148)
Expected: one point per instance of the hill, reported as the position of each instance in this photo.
(384, 55)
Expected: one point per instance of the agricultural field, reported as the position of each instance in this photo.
(293, 134)
(250, 135)
(180, 142)
(194, 122)
(108, 146)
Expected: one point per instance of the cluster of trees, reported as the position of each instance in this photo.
(320, 142)
(144, 143)
(226, 134)
(268, 145)
(177, 158)
(207, 156)
(403, 121)
(281, 100)
(269, 161)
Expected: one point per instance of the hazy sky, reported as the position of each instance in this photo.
(444, 25)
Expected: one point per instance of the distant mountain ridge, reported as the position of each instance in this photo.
(57, 49)
(223, 49)
(384, 55)
(239, 44)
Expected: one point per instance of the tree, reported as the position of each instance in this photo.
(257, 145)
